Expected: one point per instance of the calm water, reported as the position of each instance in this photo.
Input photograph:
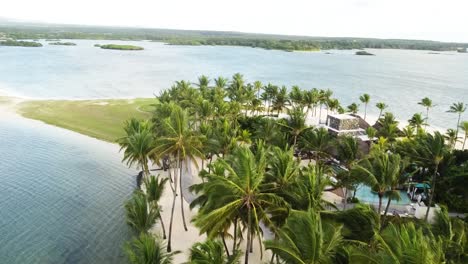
(398, 77)
(365, 195)
(61, 196)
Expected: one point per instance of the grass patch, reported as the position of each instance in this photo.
(101, 119)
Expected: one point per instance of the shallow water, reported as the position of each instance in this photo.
(61, 196)
(398, 77)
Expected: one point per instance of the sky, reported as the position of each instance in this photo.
(443, 20)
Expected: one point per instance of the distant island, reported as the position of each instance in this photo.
(364, 53)
(63, 43)
(217, 38)
(52, 40)
(119, 47)
(15, 43)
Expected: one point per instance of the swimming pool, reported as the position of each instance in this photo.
(365, 195)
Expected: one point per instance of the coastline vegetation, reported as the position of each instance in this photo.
(364, 53)
(119, 47)
(16, 43)
(261, 172)
(194, 37)
(63, 43)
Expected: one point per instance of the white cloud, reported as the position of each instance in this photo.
(444, 20)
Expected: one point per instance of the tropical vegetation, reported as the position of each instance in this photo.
(262, 171)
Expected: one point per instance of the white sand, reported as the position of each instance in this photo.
(182, 240)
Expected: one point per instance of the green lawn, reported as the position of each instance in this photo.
(102, 119)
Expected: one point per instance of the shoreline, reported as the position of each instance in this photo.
(17, 104)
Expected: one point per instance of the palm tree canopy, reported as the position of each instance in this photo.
(138, 143)
(426, 102)
(140, 216)
(178, 138)
(457, 108)
(379, 172)
(306, 239)
(147, 249)
(236, 185)
(211, 252)
(365, 98)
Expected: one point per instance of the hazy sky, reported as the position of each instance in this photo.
(445, 20)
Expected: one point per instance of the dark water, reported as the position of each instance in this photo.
(61, 196)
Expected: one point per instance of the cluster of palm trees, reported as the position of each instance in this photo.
(253, 181)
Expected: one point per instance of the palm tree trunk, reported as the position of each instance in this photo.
(251, 243)
(427, 118)
(320, 114)
(345, 198)
(432, 191)
(234, 243)
(249, 234)
(386, 208)
(380, 203)
(464, 141)
(380, 114)
(365, 111)
(458, 125)
(162, 226)
(174, 193)
(181, 195)
(225, 245)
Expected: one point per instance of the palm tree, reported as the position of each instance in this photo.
(236, 192)
(154, 191)
(389, 127)
(283, 170)
(371, 134)
(429, 151)
(365, 99)
(408, 244)
(408, 132)
(380, 172)
(417, 121)
(306, 239)
(211, 251)
(296, 123)
(333, 105)
(180, 141)
(280, 100)
(297, 96)
(381, 106)
(452, 137)
(427, 103)
(464, 127)
(323, 97)
(353, 108)
(147, 249)
(318, 141)
(257, 86)
(458, 108)
(137, 144)
(310, 186)
(140, 216)
(348, 150)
